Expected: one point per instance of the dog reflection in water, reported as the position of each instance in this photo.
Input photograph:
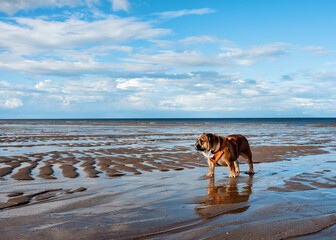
(225, 199)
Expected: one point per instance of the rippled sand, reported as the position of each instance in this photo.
(144, 180)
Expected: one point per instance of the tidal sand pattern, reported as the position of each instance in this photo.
(143, 179)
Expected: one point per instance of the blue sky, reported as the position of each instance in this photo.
(152, 58)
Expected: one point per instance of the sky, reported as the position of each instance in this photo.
(167, 59)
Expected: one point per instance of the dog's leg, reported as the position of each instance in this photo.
(236, 165)
(211, 168)
(232, 169)
(248, 156)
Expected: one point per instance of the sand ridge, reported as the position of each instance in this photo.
(112, 163)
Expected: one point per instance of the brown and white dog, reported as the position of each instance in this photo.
(221, 151)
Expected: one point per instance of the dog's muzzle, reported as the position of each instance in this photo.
(198, 147)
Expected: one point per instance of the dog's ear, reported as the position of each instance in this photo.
(210, 137)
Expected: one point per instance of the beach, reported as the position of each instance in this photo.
(143, 179)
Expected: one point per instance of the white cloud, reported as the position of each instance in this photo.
(179, 59)
(47, 86)
(52, 67)
(164, 43)
(272, 51)
(208, 101)
(89, 54)
(232, 57)
(89, 86)
(72, 68)
(330, 63)
(139, 83)
(250, 92)
(310, 104)
(84, 86)
(70, 92)
(4, 83)
(318, 50)
(13, 6)
(42, 85)
(305, 102)
(42, 47)
(180, 13)
(200, 39)
(139, 101)
(120, 5)
(31, 36)
(10, 103)
(325, 76)
(138, 67)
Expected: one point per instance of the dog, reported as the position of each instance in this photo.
(221, 151)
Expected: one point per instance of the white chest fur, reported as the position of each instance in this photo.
(208, 154)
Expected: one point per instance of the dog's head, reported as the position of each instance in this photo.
(204, 142)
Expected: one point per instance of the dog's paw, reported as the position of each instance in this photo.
(250, 173)
(210, 175)
(233, 175)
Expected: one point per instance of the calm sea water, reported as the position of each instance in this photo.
(30, 136)
(186, 120)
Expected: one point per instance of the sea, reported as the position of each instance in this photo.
(24, 136)
(182, 120)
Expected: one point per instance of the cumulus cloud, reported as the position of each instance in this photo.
(207, 91)
(10, 103)
(139, 83)
(196, 91)
(154, 91)
(11, 96)
(86, 90)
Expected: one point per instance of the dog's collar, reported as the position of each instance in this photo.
(221, 145)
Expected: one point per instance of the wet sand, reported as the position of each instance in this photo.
(121, 181)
